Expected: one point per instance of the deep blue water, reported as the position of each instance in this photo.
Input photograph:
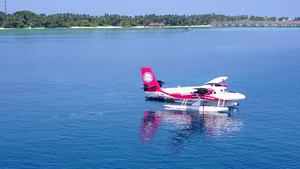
(73, 98)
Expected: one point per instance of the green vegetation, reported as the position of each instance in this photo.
(282, 18)
(26, 19)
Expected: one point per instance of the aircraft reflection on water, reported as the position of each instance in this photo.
(185, 125)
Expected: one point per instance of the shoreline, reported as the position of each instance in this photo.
(214, 25)
(112, 27)
(140, 27)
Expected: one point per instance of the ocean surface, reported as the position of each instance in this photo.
(73, 98)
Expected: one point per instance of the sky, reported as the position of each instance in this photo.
(269, 8)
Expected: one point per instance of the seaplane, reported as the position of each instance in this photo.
(212, 96)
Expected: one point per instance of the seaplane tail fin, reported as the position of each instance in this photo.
(149, 80)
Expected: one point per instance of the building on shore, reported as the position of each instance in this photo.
(247, 23)
(156, 25)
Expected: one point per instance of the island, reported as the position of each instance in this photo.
(27, 19)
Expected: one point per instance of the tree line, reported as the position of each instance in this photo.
(26, 19)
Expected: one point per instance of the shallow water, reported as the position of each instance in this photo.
(72, 98)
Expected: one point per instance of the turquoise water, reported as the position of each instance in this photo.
(73, 98)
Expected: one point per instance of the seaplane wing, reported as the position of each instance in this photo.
(218, 80)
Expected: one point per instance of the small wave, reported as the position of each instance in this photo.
(85, 115)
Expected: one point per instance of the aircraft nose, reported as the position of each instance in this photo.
(241, 96)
